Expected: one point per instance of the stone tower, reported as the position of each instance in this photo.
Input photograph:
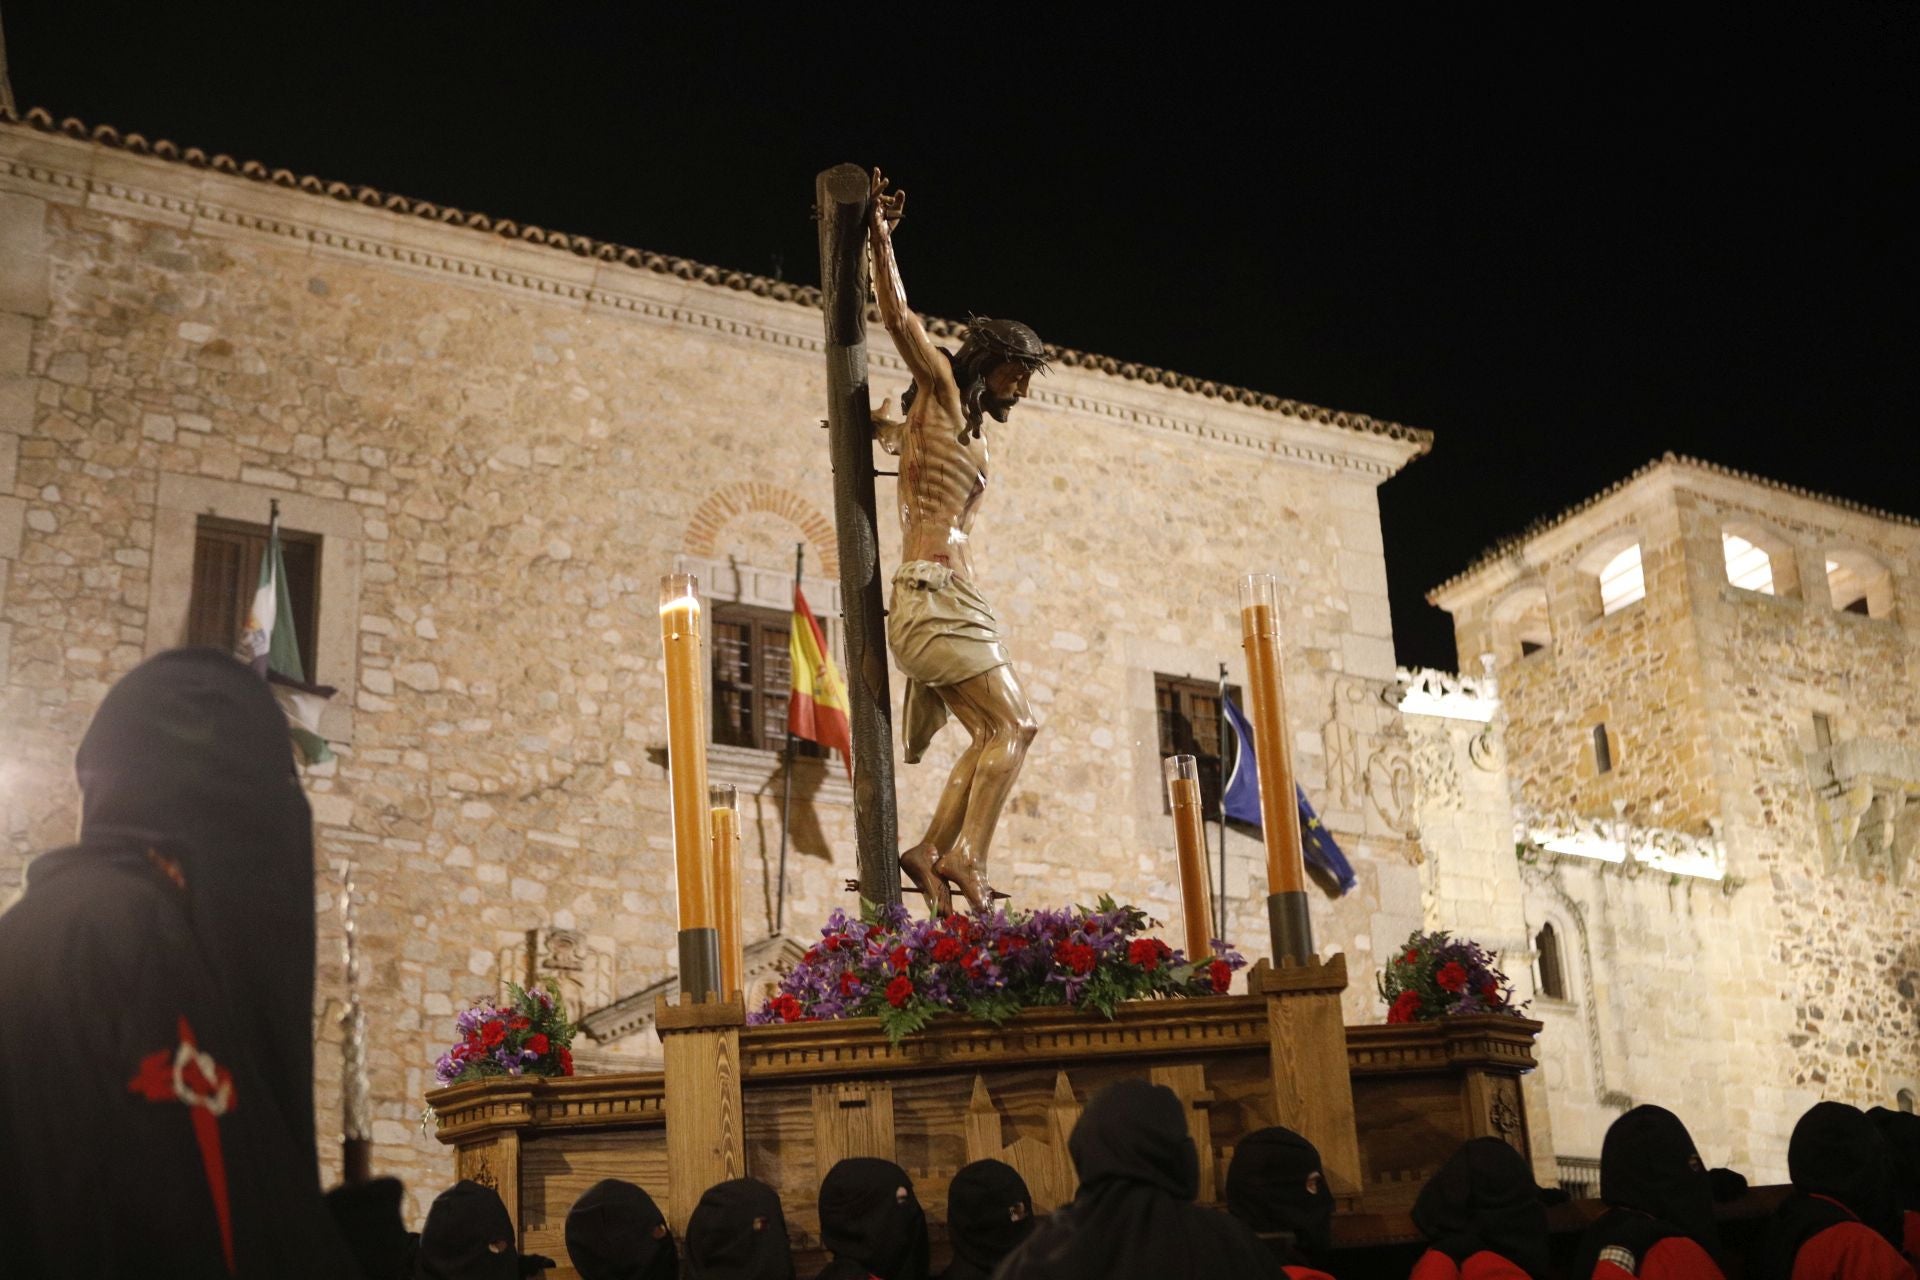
(1710, 715)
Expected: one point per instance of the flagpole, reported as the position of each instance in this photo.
(1220, 728)
(786, 807)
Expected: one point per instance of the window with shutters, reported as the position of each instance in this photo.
(1553, 976)
(752, 679)
(226, 572)
(1189, 715)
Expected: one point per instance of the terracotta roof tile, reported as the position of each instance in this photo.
(686, 269)
(1514, 541)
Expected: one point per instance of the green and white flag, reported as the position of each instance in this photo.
(269, 645)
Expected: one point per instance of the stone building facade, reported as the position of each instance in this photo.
(1711, 770)
(500, 439)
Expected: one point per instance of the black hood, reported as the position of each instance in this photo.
(1484, 1198)
(189, 755)
(464, 1225)
(1133, 1131)
(1648, 1162)
(1837, 1152)
(1901, 1129)
(869, 1215)
(738, 1232)
(616, 1232)
(1267, 1190)
(989, 1213)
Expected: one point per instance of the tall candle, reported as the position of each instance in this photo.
(687, 780)
(725, 806)
(1196, 890)
(1279, 810)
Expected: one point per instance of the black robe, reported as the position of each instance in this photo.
(1133, 1217)
(1843, 1170)
(1484, 1199)
(156, 1042)
(738, 1231)
(1652, 1176)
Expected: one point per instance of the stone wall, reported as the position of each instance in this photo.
(503, 445)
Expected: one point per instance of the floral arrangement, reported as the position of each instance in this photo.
(903, 971)
(528, 1035)
(1439, 976)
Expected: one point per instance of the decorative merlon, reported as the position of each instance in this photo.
(1428, 691)
(1630, 847)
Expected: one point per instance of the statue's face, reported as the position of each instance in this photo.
(1006, 387)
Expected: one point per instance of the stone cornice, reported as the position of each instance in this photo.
(157, 181)
(1501, 563)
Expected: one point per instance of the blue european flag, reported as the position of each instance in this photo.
(1240, 800)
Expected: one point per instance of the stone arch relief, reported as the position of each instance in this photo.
(740, 541)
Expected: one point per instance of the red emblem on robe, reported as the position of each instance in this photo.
(186, 1075)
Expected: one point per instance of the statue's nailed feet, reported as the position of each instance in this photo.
(959, 869)
(918, 865)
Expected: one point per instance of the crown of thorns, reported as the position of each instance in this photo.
(1008, 339)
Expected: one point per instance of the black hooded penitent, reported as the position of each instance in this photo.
(1133, 1217)
(161, 972)
(1268, 1189)
(738, 1232)
(871, 1222)
(989, 1214)
(616, 1232)
(1652, 1175)
(1484, 1199)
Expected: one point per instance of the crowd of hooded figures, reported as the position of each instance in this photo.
(157, 1116)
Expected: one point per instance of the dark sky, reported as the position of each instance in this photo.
(1563, 248)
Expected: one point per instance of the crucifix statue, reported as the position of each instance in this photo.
(943, 635)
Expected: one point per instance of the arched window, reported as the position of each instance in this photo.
(1521, 622)
(1553, 978)
(1749, 567)
(1858, 583)
(1622, 581)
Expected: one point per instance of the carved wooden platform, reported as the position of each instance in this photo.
(812, 1093)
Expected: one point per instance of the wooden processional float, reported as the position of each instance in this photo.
(1384, 1104)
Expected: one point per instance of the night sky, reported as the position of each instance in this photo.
(1563, 249)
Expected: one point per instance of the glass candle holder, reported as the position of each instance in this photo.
(1196, 889)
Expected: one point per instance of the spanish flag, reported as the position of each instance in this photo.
(818, 708)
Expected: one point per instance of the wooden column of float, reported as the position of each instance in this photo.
(782, 1103)
(706, 1139)
(1307, 1060)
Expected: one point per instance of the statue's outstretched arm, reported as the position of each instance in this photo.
(923, 359)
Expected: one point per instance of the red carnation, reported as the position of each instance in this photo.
(492, 1032)
(1220, 974)
(1008, 943)
(1452, 976)
(973, 958)
(1405, 1006)
(536, 1042)
(786, 1007)
(566, 1061)
(1146, 952)
(519, 1024)
(947, 948)
(1077, 956)
(899, 991)
(1412, 957)
(898, 959)
(848, 981)
(832, 943)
